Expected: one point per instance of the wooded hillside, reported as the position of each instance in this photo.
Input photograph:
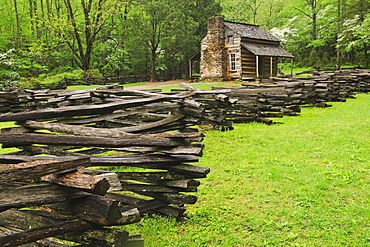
(150, 37)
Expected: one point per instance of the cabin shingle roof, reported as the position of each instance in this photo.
(266, 50)
(250, 31)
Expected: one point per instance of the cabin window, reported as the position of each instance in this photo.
(232, 62)
(230, 39)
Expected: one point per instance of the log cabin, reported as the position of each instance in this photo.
(232, 50)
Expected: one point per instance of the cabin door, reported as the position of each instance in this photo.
(260, 60)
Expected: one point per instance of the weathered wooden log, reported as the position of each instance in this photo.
(77, 110)
(99, 237)
(146, 206)
(43, 232)
(85, 141)
(95, 209)
(36, 195)
(152, 125)
(183, 183)
(111, 177)
(157, 160)
(49, 150)
(171, 163)
(98, 132)
(15, 130)
(27, 219)
(129, 186)
(76, 130)
(109, 160)
(161, 178)
(192, 111)
(38, 168)
(92, 184)
(186, 150)
(188, 87)
(159, 205)
(49, 242)
(153, 107)
(151, 177)
(135, 240)
(194, 136)
(172, 198)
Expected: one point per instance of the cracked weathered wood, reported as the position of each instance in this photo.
(158, 205)
(75, 179)
(151, 177)
(77, 110)
(98, 237)
(38, 168)
(43, 232)
(160, 178)
(173, 163)
(85, 141)
(130, 186)
(26, 196)
(187, 150)
(92, 208)
(105, 132)
(172, 198)
(152, 125)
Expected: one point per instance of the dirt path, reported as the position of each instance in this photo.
(148, 85)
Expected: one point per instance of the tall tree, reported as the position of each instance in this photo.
(79, 27)
(314, 7)
(160, 26)
(19, 30)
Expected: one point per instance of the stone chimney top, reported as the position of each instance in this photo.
(216, 23)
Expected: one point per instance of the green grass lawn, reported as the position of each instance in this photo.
(301, 183)
(81, 87)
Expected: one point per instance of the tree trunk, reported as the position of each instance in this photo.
(153, 73)
(314, 26)
(339, 25)
(366, 55)
(31, 16)
(19, 39)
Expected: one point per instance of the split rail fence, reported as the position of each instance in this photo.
(62, 84)
(283, 96)
(80, 162)
(83, 161)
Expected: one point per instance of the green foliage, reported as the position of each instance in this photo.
(113, 59)
(161, 30)
(314, 59)
(8, 77)
(139, 37)
(355, 36)
(301, 183)
(56, 77)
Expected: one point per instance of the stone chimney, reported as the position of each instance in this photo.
(214, 58)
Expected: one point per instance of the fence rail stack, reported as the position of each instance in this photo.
(283, 96)
(81, 162)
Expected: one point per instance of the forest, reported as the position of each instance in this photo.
(81, 38)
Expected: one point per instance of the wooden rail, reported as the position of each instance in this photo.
(62, 84)
(283, 96)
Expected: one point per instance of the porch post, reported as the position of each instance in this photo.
(270, 66)
(257, 67)
(291, 67)
(190, 69)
